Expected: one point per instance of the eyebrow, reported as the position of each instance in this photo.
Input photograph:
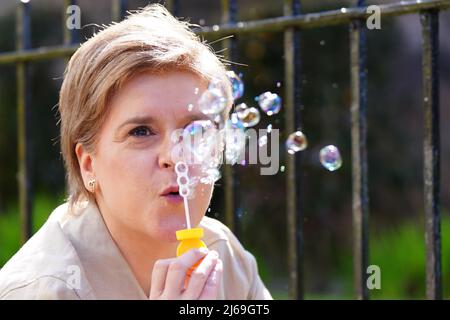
(195, 117)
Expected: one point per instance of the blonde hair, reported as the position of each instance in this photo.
(150, 39)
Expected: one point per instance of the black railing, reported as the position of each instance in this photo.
(358, 74)
(291, 24)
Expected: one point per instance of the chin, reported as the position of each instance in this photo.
(166, 231)
(166, 235)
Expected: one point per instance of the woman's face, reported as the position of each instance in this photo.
(132, 163)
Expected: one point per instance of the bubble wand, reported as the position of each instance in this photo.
(181, 170)
(189, 238)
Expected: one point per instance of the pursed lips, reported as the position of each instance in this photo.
(172, 194)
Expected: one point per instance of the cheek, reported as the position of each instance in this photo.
(126, 171)
(203, 193)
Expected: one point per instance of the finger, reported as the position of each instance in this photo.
(178, 268)
(200, 275)
(212, 285)
(159, 274)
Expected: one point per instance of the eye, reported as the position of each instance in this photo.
(141, 131)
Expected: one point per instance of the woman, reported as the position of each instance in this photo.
(125, 91)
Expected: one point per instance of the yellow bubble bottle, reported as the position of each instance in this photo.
(190, 239)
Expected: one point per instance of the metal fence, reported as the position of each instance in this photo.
(291, 24)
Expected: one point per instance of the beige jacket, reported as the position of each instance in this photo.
(74, 257)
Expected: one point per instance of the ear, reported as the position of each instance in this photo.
(85, 160)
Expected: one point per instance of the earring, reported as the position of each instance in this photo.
(91, 185)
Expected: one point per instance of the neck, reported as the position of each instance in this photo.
(140, 251)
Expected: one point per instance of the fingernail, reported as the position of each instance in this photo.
(203, 250)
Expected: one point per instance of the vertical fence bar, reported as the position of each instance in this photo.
(229, 14)
(23, 42)
(118, 9)
(431, 173)
(358, 64)
(293, 162)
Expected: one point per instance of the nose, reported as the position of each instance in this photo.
(165, 155)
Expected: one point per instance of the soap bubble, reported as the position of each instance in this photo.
(235, 139)
(237, 85)
(269, 102)
(214, 99)
(296, 142)
(220, 119)
(241, 109)
(249, 117)
(201, 145)
(199, 139)
(330, 158)
(198, 127)
(210, 176)
(235, 119)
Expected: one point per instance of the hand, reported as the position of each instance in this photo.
(168, 277)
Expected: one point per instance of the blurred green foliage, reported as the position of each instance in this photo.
(400, 253)
(10, 241)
